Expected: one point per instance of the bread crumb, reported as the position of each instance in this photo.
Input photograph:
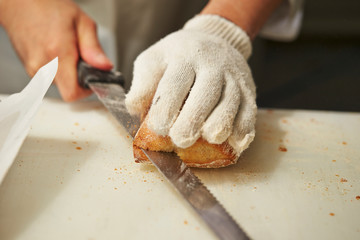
(332, 214)
(343, 180)
(282, 149)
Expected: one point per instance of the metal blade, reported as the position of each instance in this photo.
(172, 167)
(113, 97)
(199, 197)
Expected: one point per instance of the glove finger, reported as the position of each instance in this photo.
(244, 124)
(202, 99)
(170, 96)
(149, 67)
(219, 125)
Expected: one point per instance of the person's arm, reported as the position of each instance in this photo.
(250, 15)
(43, 29)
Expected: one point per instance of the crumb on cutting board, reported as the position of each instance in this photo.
(282, 149)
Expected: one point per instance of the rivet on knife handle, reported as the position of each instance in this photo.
(88, 74)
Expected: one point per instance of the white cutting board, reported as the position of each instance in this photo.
(75, 178)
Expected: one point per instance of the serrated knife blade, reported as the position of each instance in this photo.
(107, 86)
(195, 192)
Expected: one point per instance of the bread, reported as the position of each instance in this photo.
(201, 154)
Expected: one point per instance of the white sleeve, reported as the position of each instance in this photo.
(285, 22)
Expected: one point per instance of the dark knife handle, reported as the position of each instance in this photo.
(88, 74)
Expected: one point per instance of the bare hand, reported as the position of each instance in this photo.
(40, 30)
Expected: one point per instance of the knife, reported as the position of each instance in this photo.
(107, 85)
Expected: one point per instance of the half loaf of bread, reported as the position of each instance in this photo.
(201, 154)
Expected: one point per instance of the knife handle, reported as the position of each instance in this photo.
(88, 74)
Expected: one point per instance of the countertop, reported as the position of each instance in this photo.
(75, 178)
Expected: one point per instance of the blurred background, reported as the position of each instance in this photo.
(319, 70)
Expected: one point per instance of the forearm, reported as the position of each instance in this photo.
(250, 15)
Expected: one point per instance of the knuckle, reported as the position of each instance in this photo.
(53, 48)
(89, 22)
(92, 25)
(32, 67)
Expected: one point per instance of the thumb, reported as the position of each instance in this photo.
(89, 46)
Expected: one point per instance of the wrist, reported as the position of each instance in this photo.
(249, 15)
(220, 27)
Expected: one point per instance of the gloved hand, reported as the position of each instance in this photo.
(196, 83)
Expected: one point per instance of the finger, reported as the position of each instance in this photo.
(66, 49)
(170, 95)
(89, 46)
(219, 125)
(33, 64)
(66, 79)
(244, 124)
(148, 70)
(203, 97)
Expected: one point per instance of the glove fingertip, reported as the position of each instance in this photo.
(215, 135)
(136, 105)
(240, 143)
(183, 140)
(158, 125)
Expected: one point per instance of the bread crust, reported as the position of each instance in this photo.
(201, 154)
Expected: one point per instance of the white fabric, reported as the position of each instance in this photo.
(217, 26)
(198, 83)
(285, 22)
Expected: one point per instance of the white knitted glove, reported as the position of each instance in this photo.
(197, 83)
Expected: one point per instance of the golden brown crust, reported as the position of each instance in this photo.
(201, 154)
